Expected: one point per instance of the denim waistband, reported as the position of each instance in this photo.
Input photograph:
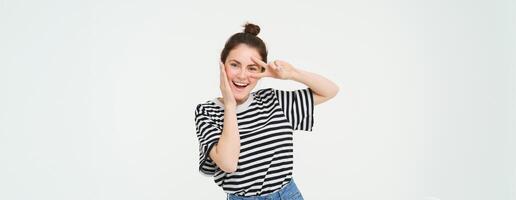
(286, 192)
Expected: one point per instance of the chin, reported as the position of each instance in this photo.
(240, 95)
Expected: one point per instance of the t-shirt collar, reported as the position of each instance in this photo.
(241, 107)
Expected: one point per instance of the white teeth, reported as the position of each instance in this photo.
(240, 84)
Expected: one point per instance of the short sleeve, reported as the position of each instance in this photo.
(298, 106)
(208, 134)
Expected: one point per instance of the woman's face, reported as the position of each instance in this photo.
(239, 68)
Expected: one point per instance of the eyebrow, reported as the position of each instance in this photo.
(254, 64)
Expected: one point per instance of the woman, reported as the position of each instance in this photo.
(245, 137)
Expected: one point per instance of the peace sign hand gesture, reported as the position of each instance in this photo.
(277, 69)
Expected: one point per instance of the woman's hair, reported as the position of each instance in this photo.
(248, 37)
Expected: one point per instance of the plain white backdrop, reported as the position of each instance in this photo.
(97, 98)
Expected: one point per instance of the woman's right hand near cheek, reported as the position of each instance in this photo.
(225, 88)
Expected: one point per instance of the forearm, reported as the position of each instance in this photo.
(319, 84)
(228, 146)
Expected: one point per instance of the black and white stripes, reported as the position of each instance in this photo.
(266, 125)
(298, 107)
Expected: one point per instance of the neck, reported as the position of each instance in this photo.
(239, 102)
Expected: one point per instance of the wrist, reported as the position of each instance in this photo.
(230, 106)
(296, 75)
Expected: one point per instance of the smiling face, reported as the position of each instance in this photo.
(239, 68)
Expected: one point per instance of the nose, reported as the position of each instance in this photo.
(242, 74)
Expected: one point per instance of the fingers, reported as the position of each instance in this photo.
(279, 63)
(259, 62)
(274, 68)
(221, 66)
(223, 76)
(276, 65)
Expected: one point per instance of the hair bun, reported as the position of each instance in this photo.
(252, 29)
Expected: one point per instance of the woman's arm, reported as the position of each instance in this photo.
(227, 151)
(322, 88)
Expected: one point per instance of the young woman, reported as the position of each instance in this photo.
(245, 137)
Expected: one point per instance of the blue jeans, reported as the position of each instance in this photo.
(288, 192)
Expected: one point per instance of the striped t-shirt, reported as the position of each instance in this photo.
(266, 121)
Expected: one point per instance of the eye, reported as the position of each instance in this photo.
(253, 68)
(234, 65)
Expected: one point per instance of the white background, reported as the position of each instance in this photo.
(98, 97)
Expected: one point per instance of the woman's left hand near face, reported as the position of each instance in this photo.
(276, 69)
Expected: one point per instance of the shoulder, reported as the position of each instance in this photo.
(265, 92)
(207, 107)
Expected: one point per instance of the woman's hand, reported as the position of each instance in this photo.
(225, 88)
(276, 69)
